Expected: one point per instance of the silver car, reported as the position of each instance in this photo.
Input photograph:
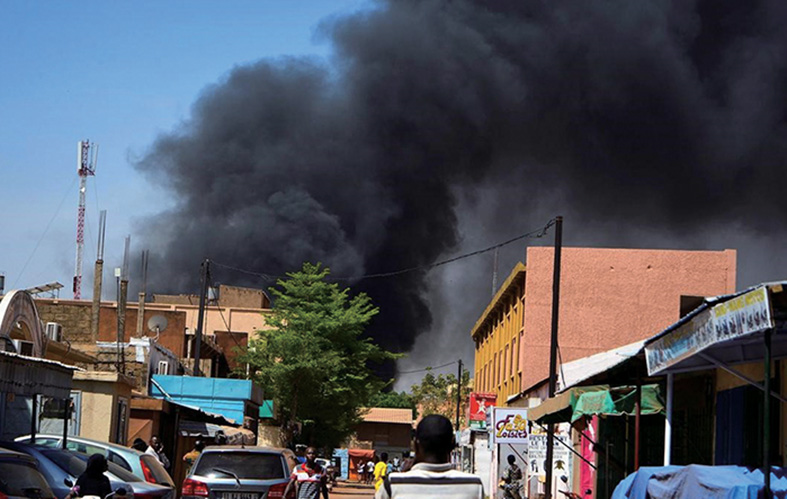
(140, 464)
(234, 472)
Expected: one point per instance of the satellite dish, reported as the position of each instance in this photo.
(157, 323)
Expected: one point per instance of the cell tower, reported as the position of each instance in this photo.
(86, 166)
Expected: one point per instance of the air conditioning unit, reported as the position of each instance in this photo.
(163, 367)
(54, 331)
(23, 347)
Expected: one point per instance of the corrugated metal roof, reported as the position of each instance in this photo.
(388, 415)
(577, 371)
(27, 376)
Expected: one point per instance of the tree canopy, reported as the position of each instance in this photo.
(437, 395)
(314, 357)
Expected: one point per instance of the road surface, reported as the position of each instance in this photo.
(352, 491)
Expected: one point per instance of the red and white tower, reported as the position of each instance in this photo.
(86, 166)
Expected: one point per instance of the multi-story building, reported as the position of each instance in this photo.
(608, 298)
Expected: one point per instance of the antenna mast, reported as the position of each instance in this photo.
(86, 166)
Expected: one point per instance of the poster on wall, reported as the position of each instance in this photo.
(537, 451)
(479, 407)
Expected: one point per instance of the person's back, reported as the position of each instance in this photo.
(432, 475)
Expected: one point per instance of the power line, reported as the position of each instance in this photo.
(534, 234)
(46, 229)
(427, 368)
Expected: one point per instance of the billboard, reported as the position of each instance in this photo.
(742, 315)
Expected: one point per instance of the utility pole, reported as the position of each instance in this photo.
(553, 350)
(204, 278)
(86, 166)
(458, 394)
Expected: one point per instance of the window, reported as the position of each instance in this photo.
(514, 358)
(506, 363)
(495, 371)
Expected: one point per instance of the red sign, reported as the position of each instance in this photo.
(480, 404)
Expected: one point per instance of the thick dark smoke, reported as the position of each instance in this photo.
(645, 123)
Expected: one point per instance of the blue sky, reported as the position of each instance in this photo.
(117, 73)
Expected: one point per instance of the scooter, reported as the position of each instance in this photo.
(120, 493)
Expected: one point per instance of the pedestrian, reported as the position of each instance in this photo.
(156, 449)
(370, 470)
(139, 445)
(93, 481)
(511, 479)
(432, 475)
(362, 471)
(192, 455)
(380, 470)
(308, 479)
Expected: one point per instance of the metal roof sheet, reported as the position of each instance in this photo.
(388, 415)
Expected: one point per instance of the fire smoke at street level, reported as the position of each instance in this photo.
(656, 115)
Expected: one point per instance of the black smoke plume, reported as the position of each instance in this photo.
(649, 122)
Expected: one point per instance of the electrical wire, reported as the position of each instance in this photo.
(534, 234)
(46, 229)
(427, 368)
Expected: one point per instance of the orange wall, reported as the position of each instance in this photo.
(612, 297)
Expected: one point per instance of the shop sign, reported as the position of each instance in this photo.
(480, 405)
(509, 426)
(537, 451)
(742, 315)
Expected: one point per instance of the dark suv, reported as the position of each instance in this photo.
(230, 472)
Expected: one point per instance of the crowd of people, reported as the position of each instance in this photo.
(428, 472)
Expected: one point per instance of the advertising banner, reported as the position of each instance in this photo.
(537, 451)
(745, 314)
(509, 426)
(479, 406)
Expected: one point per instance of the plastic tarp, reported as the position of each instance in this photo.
(684, 482)
(581, 401)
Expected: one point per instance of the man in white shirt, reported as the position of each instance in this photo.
(432, 475)
(156, 449)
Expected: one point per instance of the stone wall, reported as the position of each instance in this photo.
(74, 316)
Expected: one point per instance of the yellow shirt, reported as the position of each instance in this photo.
(380, 469)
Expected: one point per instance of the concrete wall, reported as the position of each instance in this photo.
(611, 297)
(101, 394)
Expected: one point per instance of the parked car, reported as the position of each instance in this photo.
(20, 478)
(143, 465)
(61, 468)
(230, 472)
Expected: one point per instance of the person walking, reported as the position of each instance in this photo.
(309, 478)
(370, 470)
(380, 470)
(432, 475)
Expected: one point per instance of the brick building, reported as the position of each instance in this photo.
(608, 298)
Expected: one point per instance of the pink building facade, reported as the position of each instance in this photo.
(611, 297)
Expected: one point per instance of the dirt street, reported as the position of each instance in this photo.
(352, 491)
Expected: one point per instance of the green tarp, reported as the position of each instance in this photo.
(578, 402)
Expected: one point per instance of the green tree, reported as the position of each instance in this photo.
(400, 400)
(314, 360)
(437, 395)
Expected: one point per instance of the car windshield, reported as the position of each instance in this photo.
(22, 480)
(255, 465)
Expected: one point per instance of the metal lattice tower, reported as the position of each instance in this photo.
(86, 166)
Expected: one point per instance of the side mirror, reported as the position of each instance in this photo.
(121, 491)
(68, 482)
(564, 478)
